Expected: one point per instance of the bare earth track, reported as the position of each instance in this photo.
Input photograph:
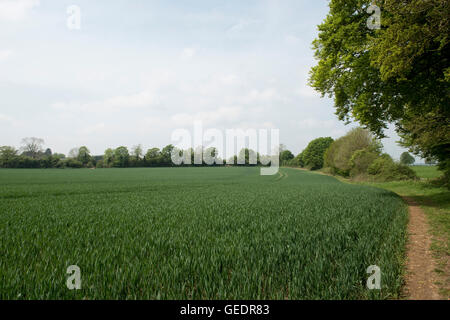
(420, 266)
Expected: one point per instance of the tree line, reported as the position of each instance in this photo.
(33, 155)
(349, 156)
(357, 155)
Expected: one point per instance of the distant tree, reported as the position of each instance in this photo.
(59, 155)
(32, 146)
(210, 156)
(153, 153)
(108, 157)
(137, 152)
(58, 160)
(121, 157)
(48, 152)
(247, 156)
(407, 159)
(8, 157)
(313, 155)
(73, 163)
(84, 155)
(136, 156)
(430, 162)
(286, 156)
(428, 136)
(153, 157)
(166, 155)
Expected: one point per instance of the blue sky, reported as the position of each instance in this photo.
(138, 69)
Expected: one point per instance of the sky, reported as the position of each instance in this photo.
(137, 70)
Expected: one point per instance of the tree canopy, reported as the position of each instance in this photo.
(32, 146)
(286, 155)
(398, 74)
(339, 155)
(312, 156)
(84, 155)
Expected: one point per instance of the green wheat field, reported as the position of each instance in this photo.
(196, 233)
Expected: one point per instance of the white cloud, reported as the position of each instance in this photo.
(14, 10)
(5, 118)
(266, 95)
(291, 39)
(223, 114)
(188, 53)
(5, 54)
(311, 123)
(139, 100)
(241, 26)
(307, 91)
(151, 124)
(95, 129)
(229, 80)
(257, 125)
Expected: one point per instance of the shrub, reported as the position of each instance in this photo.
(385, 169)
(340, 152)
(8, 157)
(73, 163)
(61, 164)
(27, 162)
(361, 160)
(285, 157)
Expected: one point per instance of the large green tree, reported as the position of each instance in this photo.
(313, 155)
(108, 158)
(121, 157)
(397, 74)
(137, 152)
(84, 155)
(136, 156)
(339, 155)
(153, 157)
(8, 157)
(166, 155)
(32, 147)
(285, 156)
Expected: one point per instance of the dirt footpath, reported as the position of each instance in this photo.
(420, 275)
